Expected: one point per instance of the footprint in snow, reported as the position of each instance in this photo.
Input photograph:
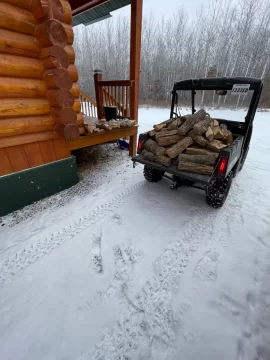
(96, 258)
(117, 218)
(124, 260)
(206, 267)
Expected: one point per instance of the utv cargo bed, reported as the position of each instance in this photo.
(172, 169)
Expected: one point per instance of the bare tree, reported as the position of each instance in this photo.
(233, 36)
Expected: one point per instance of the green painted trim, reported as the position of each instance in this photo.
(24, 187)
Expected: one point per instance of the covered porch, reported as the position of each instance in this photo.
(124, 94)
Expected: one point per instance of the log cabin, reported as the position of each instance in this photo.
(42, 108)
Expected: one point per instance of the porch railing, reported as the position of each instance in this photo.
(114, 93)
(88, 105)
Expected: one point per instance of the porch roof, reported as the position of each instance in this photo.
(85, 12)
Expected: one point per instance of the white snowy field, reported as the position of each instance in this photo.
(117, 268)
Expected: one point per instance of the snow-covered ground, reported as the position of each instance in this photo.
(117, 268)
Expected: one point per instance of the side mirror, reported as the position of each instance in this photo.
(221, 92)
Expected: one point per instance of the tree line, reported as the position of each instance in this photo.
(226, 38)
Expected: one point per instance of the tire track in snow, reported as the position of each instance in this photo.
(149, 324)
(148, 320)
(18, 262)
(220, 233)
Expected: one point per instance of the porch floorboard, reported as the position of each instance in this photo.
(100, 138)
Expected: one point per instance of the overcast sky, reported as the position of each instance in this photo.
(166, 8)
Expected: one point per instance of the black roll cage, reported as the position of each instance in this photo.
(220, 84)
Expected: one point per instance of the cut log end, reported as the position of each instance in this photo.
(58, 78)
(68, 132)
(152, 146)
(64, 116)
(51, 32)
(54, 57)
(45, 9)
(163, 160)
(60, 98)
(195, 168)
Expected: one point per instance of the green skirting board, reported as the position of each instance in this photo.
(24, 187)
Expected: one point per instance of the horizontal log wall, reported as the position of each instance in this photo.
(38, 83)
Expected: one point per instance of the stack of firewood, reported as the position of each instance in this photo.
(192, 142)
(94, 126)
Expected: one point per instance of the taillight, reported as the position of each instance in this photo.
(222, 166)
(140, 145)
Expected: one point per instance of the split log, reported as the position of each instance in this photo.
(77, 105)
(64, 116)
(152, 132)
(228, 137)
(18, 44)
(57, 78)
(198, 138)
(195, 168)
(214, 123)
(54, 57)
(60, 97)
(198, 159)
(175, 124)
(10, 108)
(169, 140)
(19, 66)
(219, 133)
(43, 10)
(191, 121)
(75, 90)
(17, 20)
(202, 126)
(209, 134)
(163, 160)
(127, 123)
(215, 126)
(73, 72)
(166, 133)
(69, 32)
(67, 12)
(200, 151)
(115, 124)
(162, 125)
(179, 147)
(18, 88)
(71, 53)
(68, 132)
(215, 145)
(51, 32)
(25, 125)
(152, 146)
(104, 126)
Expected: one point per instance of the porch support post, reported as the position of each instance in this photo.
(135, 55)
(97, 78)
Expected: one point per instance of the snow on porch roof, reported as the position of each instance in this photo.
(100, 11)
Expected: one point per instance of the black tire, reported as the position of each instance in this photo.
(218, 190)
(152, 175)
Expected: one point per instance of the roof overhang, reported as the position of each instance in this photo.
(87, 12)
